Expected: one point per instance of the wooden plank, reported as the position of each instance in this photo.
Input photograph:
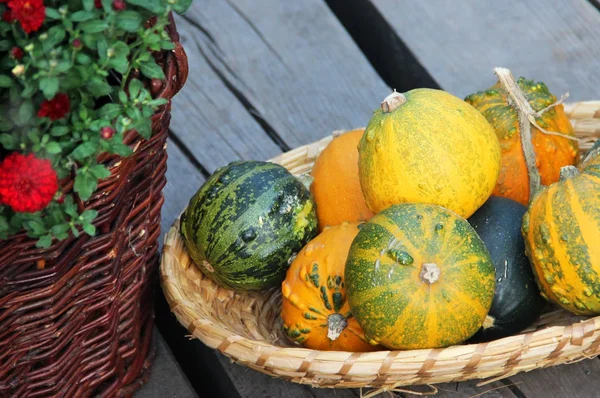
(575, 380)
(166, 377)
(555, 41)
(292, 63)
(208, 118)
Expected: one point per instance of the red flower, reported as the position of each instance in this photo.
(56, 108)
(98, 3)
(27, 184)
(8, 17)
(30, 13)
(16, 53)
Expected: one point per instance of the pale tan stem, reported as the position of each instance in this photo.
(519, 102)
(393, 102)
(430, 273)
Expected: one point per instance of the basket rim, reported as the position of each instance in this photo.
(494, 360)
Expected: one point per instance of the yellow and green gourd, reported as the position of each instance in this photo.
(419, 276)
(562, 237)
(428, 146)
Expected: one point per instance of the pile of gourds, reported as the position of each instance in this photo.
(443, 221)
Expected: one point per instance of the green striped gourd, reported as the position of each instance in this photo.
(245, 223)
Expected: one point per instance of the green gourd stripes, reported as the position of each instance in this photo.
(246, 221)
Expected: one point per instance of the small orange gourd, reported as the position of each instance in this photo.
(551, 151)
(314, 310)
(336, 187)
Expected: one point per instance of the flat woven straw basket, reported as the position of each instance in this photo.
(247, 327)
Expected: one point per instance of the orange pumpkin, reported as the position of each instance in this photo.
(336, 187)
(314, 310)
(551, 151)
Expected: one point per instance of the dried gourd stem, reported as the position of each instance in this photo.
(544, 131)
(546, 109)
(521, 105)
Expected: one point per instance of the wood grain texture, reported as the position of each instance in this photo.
(208, 118)
(580, 380)
(555, 41)
(166, 377)
(292, 62)
(183, 180)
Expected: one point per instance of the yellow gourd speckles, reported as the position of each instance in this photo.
(434, 148)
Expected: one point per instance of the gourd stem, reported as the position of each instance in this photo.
(567, 172)
(336, 323)
(519, 102)
(393, 102)
(489, 322)
(430, 273)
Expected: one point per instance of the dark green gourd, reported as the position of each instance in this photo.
(517, 301)
(245, 222)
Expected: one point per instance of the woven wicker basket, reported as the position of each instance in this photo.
(77, 318)
(247, 327)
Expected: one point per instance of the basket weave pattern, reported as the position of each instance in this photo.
(247, 327)
(77, 318)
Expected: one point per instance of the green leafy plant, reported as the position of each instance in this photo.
(67, 96)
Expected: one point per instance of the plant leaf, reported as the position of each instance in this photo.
(88, 216)
(154, 6)
(110, 111)
(85, 185)
(5, 81)
(44, 242)
(135, 86)
(93, 26)
(89, 229)
(8, 141)
(181, 6)
(99, 171)
(84, 150)
(59, 131)
(80, 16)
(129, 21)
(53, 14)
(49, 86)
(53, 147)
(151, 69)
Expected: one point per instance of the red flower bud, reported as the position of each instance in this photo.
(61, 199)
(107, 132)
(98, 3)
(77, 43)
(119, 5)
(16, 53)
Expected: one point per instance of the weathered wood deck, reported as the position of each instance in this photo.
(267, 76)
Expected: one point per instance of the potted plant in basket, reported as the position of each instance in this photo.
(85, 90)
